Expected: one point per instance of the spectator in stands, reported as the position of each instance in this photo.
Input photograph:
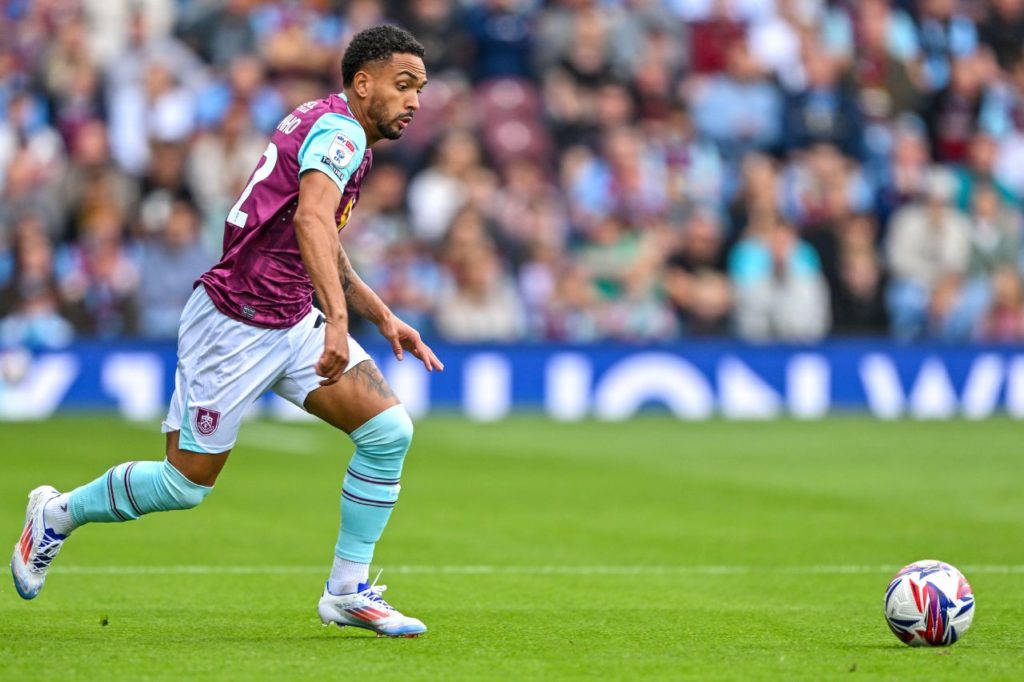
(695, 172)
(1001, 30)
(501, 39)
(902, 178)
(409, 281)
(945, 34)
(626, 179)
(100, 285)
(171, 259)
(27, 190)
(480, 303)
(93, 178)
(848, 20)
(824, 111)
(530, 210)
(885, 83)
(243, 85)
(610, 251)
(979, 169)
(739, 109)
(759, 197)
(1004, 321)
(716, 27)
(159, 108)
(30, 304)
(821, 187)
(221, 33)
(438, 192)
(537, 281)
(995, 236)
(1003, 119)
(858, 297)
(776, 40)
(435, 23)
(952, 113)
(781, 294)
(927, 250)
(696, 283)
(573, 312)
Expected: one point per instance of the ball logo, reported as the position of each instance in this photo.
(207, 420)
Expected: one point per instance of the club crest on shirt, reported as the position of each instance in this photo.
(207, 420)
(341, 151)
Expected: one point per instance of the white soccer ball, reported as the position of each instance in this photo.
(929, 603)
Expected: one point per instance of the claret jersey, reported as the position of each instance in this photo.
(261, 278)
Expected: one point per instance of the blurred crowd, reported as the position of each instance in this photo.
(634, 170)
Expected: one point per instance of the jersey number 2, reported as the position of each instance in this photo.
(236, 216)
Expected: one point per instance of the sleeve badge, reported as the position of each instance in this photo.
(342, 151)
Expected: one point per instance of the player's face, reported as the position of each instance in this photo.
(395, 96)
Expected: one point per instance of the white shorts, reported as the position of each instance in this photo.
(225, 365)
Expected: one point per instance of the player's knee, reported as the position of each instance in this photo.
(402, 430)
(387, 434)
(181, 492)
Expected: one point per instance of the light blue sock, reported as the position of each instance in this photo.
(132, 489)
(371, 482)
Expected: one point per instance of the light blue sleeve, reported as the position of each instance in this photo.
(335, 146)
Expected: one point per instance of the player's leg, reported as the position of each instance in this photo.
(362, 405)
(202, 425)
(124, 493)
(128, 491)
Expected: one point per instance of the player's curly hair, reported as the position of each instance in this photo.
(376, 44)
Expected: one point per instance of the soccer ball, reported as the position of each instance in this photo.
(929, 603)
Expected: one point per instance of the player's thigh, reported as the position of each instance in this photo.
(360, 394)
(224, 366)
(199, 467)
(357, 397)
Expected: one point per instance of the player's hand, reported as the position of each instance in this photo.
(334, 360)
(403, 338)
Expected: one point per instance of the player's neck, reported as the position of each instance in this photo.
(355, 106)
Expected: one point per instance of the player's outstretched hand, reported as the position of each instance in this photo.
(334, 359)
(403, 337)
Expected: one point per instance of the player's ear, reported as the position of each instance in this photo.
(361, 83)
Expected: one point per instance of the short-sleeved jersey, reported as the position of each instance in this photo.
(261, 278)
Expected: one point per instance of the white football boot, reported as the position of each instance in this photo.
(366, 609)
(37, 546)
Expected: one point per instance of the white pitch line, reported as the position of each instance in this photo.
(522, 570)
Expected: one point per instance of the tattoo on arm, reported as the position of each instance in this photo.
(359, 296)
(348, 274)
(372, 380)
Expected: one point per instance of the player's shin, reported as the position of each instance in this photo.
(369, 494)
(124, 493)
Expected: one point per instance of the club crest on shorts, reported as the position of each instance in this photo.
(207, 420)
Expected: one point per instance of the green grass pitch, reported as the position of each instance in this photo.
(652, 549)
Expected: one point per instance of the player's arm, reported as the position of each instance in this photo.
(317, 235)
(367, 304)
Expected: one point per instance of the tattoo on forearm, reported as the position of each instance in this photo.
(371, 378)
(358, 296)
(348, 274)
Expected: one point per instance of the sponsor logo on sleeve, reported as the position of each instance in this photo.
(341, 151)
(334, 169)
